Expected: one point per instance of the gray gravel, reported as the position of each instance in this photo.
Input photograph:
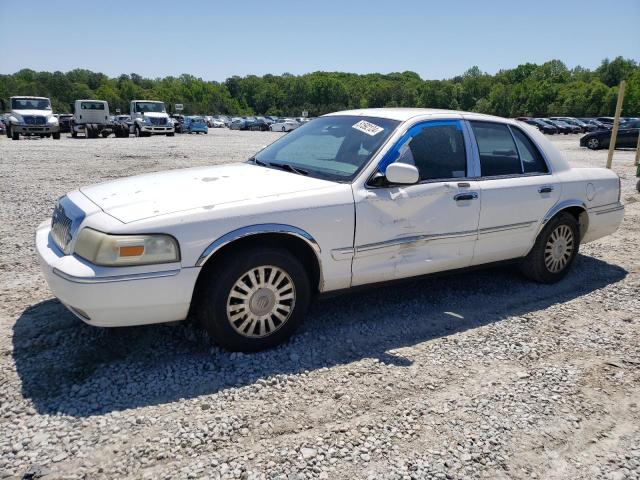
(482, 375)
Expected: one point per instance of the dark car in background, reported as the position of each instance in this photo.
(540, 125)
(584, 127)
(596, 123)
(240, 124)
(259, 124)
(563, 127)
(64, 121)
(627, 137)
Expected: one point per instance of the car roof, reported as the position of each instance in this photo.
(28, 96)
(404, 114)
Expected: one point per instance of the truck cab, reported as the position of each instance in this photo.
(31, 116)
(149, 117)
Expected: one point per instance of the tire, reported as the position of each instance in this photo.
(104, 133)
(56, 135)
(554, 251)
(593, 144)
(283, 129)
(15, 136)
(638, 186)
(137, 132)
(170, 134)
(219, 293)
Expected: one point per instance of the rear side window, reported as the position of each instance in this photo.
(532, 160)
(498, 152)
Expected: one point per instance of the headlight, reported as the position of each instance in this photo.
(147, 120)
(122, 250)
(170, 122)
(52, 120)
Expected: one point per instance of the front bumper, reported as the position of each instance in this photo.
(35, 129)
(115, 296)
(157, 129)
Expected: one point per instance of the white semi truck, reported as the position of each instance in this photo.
(92, 118)
(149, 117)
(31, 116)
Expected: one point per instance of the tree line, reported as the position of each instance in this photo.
(550, 89)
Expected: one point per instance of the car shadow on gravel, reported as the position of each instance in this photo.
(71, 368)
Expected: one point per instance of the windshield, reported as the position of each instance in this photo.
(92, 105)
(333, 147)
(30, 104)
(144, 107)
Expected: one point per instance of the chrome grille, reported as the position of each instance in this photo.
(61, 228)
(158, 121)
(34, 120)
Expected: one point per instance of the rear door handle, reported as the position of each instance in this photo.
(465, 196)
(545, 189)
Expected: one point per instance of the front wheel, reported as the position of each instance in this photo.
(56, 135)
(554, 251)
(15, 136)
(593, 144)
(253, 299)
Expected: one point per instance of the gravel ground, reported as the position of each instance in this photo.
(482, 375)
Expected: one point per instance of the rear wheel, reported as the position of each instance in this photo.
(56, 135)
(104, 133)
(253, 299)
(554, 251)
(137, 131)
(283, 129)
(15, 136)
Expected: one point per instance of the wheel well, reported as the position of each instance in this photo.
(296, 246)
(581, 216)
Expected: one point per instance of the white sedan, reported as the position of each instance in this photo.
(352, 198)
(284, 126)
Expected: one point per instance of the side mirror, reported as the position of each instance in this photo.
(402, 173)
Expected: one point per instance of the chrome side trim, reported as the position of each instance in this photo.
(561, 206)
(255, 230)
(342, 253)
(409, 240)
(502, 228)
(616, 208)
(115, 278)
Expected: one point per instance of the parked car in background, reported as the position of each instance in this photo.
(540, 125)
(64, 120)
(178, 122)
(194, 124)
(31, 116)
(584, 127)
(284, 125)
(627, 137)
(247, 270)
(606, 120)
(599, 125)
(217, 123)
(259, 124)
(562, 127)
(149, 117)
(239, 124)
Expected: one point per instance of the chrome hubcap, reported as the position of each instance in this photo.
(559, 248)
(261, 301)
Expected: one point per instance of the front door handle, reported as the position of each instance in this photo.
(465, 196)
(545, 189)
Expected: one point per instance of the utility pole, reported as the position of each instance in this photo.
(616, 124)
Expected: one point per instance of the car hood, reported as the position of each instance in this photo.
(28, 113)
(156, 115)
(145, 196)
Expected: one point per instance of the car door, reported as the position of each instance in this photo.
(408, 230)
(517, 190)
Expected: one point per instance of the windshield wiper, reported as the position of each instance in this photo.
(258, 162)
(289, 168)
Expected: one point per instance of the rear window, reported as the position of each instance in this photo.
(92, 105)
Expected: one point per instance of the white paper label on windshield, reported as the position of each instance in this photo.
(368, 127)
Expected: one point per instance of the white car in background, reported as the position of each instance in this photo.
(284, 125)
(351, 198)
(217, 123)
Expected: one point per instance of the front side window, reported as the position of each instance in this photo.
(435, 148)
(498, 152)
(335, 147)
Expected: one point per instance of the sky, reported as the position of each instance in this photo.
(214, 40)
